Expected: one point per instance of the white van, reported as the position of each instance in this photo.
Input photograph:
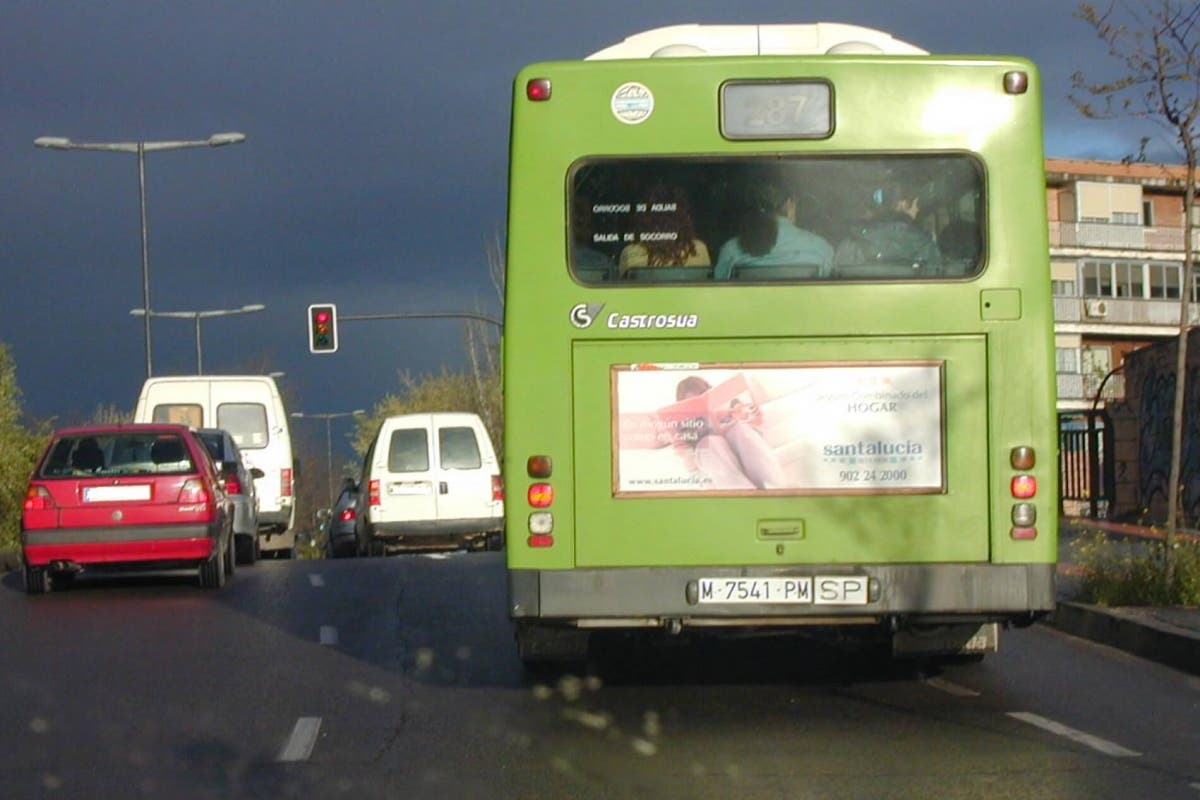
(431, 482)
(250, 408)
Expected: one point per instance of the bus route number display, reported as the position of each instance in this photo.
(776, 110)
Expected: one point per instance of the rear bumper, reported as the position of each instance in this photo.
(640, 597)
(436, 527)
(141, 544)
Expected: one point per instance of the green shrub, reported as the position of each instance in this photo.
(1127, 572)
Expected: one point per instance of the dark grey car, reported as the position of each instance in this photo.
(239, 485)
(340, 538)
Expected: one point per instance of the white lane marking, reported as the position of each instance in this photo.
(1196, 786)
(943, 685)
(299, 745)
(315, 579)
(1095, 742)
(329, 634)
(437, 556)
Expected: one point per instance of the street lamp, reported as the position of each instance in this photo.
(141, 148)
(329, 440)
(197, 316)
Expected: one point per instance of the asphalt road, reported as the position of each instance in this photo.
(397, 677)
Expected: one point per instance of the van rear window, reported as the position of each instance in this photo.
(247, 422)
(458, 448)
(408, 450)
(190, 414)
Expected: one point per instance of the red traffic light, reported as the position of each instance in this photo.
(322, 328)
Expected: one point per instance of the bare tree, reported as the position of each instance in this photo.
(1155, 41)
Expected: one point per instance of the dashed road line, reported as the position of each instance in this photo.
(299, 745)
(1095, 742)
(315, 579)
(943, 685)
(329, 635)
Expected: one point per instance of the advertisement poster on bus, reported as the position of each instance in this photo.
(749, 429)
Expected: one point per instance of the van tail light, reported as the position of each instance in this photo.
(347, 515)
(285, 482)
(497, 489)
(194, 493)
(233, 485)
(37, 498)
(373, 492)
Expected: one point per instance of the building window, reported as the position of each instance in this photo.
(1062, 288)
(1164, 281)
(1148, 213)
(1066, 359)
(1129, 280)
(1097, 279)
(1125, 218)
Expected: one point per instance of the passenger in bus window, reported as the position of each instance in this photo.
(960, 245)
(665, 232)
(769, 237)
(728, 449)
(892, 235)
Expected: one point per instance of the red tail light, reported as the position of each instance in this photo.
(540, 495)
(497, 488)
(1023, 487)
(233, 485)
(347, 514)
(285, 483)
(194, 493)
(373, 492)
(37, 498)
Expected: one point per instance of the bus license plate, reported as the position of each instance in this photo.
(836, 590)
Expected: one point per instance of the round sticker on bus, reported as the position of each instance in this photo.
(632, 103)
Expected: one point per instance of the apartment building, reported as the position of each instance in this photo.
(1116, 256)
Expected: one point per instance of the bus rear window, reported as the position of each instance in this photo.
(770, 219)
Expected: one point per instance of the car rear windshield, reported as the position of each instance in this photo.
(459, 449)
(246, 423)
(190, 414)
(408, 450)
(117, 454)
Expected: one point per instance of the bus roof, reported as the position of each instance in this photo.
(819, 38)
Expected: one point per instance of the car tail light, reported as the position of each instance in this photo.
(1023, 487)
(347, 515)
(285, 483)
(233, 485)
(540, 495)
(373, 492)
(194, 493)
(497, 489)
(37, 498)
(538, 89)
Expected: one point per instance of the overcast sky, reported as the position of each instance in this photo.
(373, 174)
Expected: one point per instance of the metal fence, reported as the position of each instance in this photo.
(1086, 470)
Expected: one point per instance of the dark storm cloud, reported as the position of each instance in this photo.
(373, 175)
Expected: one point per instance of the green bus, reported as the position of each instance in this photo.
(778, 342)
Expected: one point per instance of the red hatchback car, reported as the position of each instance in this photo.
(124, 498)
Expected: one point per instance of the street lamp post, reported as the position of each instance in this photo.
(197, 316)
(141, 148)
(329, 441)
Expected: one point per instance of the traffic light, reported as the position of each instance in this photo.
(322, 328)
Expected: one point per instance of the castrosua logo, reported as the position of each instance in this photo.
(584, 314)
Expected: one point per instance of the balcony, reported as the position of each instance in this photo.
(1120, 237)
(1120, 311)
(1080, 389)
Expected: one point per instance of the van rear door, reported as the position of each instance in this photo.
(408, 490)
(466, 465)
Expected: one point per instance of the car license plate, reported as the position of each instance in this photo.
(108, 494)
(843, 590)
(406, 489)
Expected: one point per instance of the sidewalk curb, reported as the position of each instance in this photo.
(1131, 631)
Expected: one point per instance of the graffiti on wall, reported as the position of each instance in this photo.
(1150, 375)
